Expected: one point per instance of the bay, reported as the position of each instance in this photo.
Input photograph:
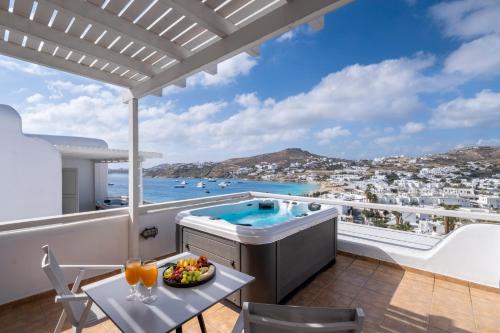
(162, 189)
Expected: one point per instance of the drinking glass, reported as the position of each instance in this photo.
(133, 276)
(149, 275)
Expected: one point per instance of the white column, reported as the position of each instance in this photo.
(133, 177)
(141, 184)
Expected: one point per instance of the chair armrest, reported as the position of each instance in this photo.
(86, 267)
(71, 298)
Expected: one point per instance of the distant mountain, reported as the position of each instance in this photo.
(228, 167)
(313, 162)
(281, 158)
(462, 156)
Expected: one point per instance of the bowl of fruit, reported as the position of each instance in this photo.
(188, 272)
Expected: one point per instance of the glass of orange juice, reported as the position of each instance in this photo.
(133, 276)
(149, 275)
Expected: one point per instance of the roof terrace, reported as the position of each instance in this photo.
(394, 300)
(403, 282)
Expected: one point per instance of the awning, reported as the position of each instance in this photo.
(101, 155)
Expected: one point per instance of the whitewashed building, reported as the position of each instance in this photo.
(47, 175)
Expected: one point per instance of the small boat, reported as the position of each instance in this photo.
(223, 184)
(207, 191)
(111, 184)
(184, 183)
(200, 184)
(179, 186)
(212, 180)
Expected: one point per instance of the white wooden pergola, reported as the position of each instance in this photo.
(146, 45)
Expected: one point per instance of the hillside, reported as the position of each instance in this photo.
(228, 167)
(281, 158)
(289, 158)
(463, 156)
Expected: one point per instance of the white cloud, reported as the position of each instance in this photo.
(488, 142)
(227, 72)
(412, 128)
(384, 140)
(478, 57)
(24, 67)
(58, 87)
(286, 36)
(328, 134)
(468, 18)
(481, 110)
(35, 98)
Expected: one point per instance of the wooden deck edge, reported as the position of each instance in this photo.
(437, 276)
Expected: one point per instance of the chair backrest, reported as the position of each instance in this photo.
(51, 268)
(266, 318)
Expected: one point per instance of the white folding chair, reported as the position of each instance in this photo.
(267, 318)
(79, 309)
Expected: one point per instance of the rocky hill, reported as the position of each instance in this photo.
(464, 156)
(486, 156)
(281, 158)
(226, 168)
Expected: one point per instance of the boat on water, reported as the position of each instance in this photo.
(223, 184)
(212, 180)
(179, 186)
(200, 185)
(184, 183)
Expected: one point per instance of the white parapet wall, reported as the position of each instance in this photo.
(470, 253)
(91, 240)
(99, 237)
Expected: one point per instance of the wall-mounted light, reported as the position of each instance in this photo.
(149, 232)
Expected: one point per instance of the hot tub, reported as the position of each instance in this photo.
(280, 242)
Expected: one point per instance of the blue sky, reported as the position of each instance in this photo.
(383, 77)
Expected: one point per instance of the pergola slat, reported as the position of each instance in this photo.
(47, 60)
(12, 21)
(122, 27)
(206, 17)
(273, 24)
(146, 45)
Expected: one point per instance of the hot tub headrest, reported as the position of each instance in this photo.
(313, 206)
(266, 205)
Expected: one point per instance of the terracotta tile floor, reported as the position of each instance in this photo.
(393, 300)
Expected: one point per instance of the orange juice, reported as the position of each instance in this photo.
(133, 272)
(149, 274)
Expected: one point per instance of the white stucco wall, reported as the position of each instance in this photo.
(92, 177)
(30, 172)
(86, 193)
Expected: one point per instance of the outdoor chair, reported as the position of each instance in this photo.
(267, 318)
(77, 307)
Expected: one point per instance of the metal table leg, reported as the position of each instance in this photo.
(201, 321)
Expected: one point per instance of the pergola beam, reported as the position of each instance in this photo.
(270, 25)
(47, 60)
(109, 21)
(206, 17)
(30, 28)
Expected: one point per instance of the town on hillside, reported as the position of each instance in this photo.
(465, 179)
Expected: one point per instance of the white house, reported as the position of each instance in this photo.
(45, 175)
(489, 201)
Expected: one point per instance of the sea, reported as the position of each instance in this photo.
(162, 189)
